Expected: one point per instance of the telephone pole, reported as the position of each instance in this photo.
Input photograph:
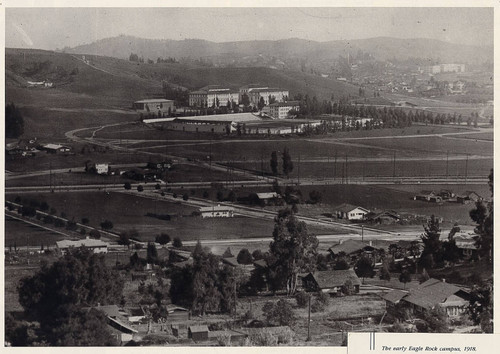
(447, 160)
(466, 167)
(346, 175)
(394, 166)
(298, 171)
(309, 321)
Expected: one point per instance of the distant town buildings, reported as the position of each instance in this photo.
(442, 68)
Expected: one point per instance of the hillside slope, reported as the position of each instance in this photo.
(106, 77)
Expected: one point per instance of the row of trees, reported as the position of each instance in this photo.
(287, 163)
(388, 116)
(14, 122)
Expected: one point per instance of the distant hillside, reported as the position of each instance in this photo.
(127, 81)
(289, 53)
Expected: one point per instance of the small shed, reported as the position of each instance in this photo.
(198, 333)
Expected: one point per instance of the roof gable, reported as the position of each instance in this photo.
(349, 246)
(334, 278)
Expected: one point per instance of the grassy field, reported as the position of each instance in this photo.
(21, 234)
(178, 173)
(359, 168)
(129, 212)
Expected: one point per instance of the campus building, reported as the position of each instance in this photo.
(280, 110)
(213, 96)
(268, 94)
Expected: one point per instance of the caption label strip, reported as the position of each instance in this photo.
(395, 343)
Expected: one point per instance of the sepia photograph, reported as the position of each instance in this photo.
(246, 176)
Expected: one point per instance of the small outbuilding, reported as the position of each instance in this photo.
(198, 333)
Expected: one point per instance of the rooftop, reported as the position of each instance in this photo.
(333, 278)
(154, 100)
(285, 104)
(196, 329)
(216, 208)
(348, 247)
(269, 195)
(53, 146)
(88, 242)
(345, 208)
(428, 294)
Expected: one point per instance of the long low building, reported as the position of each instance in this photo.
(155, 107)
(247, 123)
(97, 246)
(219, 211)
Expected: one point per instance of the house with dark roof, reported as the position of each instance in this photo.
(384, 217)
(350, 247)
(428, 196)
(351, 212)
(266, 198)
(117, 321)
(468, 197)
(333, 282)
(429, 295)
(230, 261)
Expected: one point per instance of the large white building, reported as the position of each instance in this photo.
(267, 93)
(156, 107)
(280, 110)
(213, 96)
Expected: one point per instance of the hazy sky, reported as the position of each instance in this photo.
(51, 28)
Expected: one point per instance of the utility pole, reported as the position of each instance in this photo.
(298, 171)
(362, 233)
(309, 321)
(466, 167)
(335, 167)
(394, 166)
(262, 162)
(346, 175)
(447, 157)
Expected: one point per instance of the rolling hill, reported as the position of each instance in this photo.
(117, 79)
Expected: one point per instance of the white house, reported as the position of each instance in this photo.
(102, 168)
(219, 211)
(351, 212)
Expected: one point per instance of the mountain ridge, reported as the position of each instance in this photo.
(291, 51)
